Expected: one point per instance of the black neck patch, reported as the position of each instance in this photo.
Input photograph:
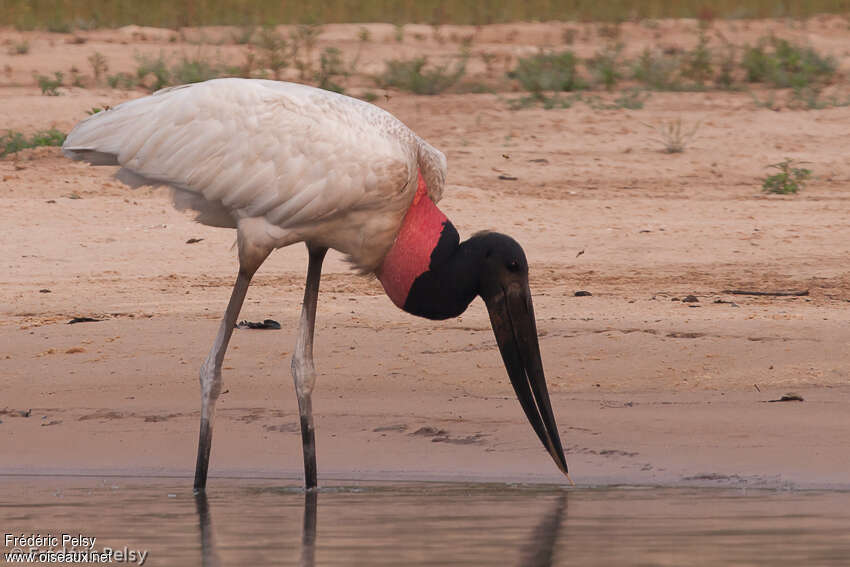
(449, 285)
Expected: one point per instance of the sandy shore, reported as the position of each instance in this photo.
(647, 389)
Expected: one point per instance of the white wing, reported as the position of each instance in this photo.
(234, 148)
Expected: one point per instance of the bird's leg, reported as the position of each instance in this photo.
(211, 369)
(303, 371)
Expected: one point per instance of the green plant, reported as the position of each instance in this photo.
(302, 41)
(122, 80)
(331, 66)
(657, 70)
(76, 78)
(94, 110)
(605, 65)
(12, 141)
(788, 180)
(548, 72)
(48, 86)
(413, 76)
(784, 64)
(19, 48)
(274, 51)
(725, 78)
(674, 135)
(58, 25)
(632, 99)
(697, 64)
(99, 65)
(244, 35)
(152, 72)
(196, 69)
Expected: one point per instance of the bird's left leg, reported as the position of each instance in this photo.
(303, 371)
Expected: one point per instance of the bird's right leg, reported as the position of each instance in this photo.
(303, 371)
(250, 259)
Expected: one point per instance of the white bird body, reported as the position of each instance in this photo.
(284, 163)
(281, 162)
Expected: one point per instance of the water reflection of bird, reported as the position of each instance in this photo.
(540, 549)
(209, 553)
(284, 163)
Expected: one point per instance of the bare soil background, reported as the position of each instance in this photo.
(647, 389)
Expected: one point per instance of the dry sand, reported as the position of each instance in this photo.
(647, 389)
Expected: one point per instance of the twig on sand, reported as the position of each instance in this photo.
(768, 293)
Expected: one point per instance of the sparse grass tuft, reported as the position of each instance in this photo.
(548, 72)
(13, 141)
(99, 66)
(657, 70)
(331, 66)
(48, 86)
(697, 63)
(605, 66)
(784, 64)
(274, 51)
(154, 73)
(20, 48)
(789, 179)
(674, 135)
(413, 76)
(122, 80)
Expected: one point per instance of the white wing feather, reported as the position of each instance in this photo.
(235, 148)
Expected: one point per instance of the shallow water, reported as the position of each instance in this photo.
(268, 523)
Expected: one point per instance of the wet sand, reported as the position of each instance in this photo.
(647, 389)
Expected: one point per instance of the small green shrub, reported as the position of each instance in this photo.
(58, 25)
(631, 99)
(12, 141)
(784, 64)
(155, 73)
(122, 80)
(725, 78)
(196, 70)
(99, 65)
(48, 86)
(657, 70)
(19, 48)
(152, 72)
(788, 180)
(697, 64)
(548, 72)
(411, 75)
(331, 66)
(605, 66)
(244, 36)
(274, 51)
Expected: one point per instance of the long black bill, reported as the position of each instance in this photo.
(512, 316)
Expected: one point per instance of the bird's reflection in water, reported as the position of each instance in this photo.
(209, 557)
(308, 532)
(540, 549)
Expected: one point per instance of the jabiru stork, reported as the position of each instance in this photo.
(283, 163)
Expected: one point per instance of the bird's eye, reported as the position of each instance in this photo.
(513, 266)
